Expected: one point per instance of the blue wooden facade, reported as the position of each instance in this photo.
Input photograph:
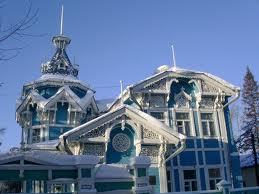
(177, 118)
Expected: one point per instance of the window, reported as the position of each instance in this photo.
(157, 115)
(190, 182)
(208, 126)
(35, 136)
(86, 173)
(214, 177)
(183, 123)
(54, 133)
(142, 172)
(72, 118)
(152, 180)
(51, 116)
(131, 171)
(37, 186)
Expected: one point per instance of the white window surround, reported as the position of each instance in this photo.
(208, 123)
(214, 177)
(189, 183)
(183, 124)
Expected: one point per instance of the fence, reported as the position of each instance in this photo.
(223, 190)
(245, 190)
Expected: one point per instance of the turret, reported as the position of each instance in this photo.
(56, 102)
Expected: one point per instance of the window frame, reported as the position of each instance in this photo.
(208, 122)
(184, 121)
(190, 181)
(214, 179)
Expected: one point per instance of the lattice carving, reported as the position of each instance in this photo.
(161, 85)
(98, 132)
(146, 133)
(157, 100)
(151, 151)
(208, 88)
(207, 102)
(94, 149)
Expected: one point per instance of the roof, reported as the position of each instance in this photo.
(46, 145)
(104, 104)
(60, 63)
(177, 72)
(112, 171)
(133, 113)
(48, 158)
(190, 73)
(45, 103)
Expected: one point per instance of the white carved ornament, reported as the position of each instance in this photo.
(151, 151)
(121, 142)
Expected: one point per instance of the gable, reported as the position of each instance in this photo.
(122, 115)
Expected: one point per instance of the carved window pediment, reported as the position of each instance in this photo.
(182, 100)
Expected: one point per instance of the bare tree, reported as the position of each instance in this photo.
(16, 31)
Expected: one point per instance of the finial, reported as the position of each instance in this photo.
(61, 20)
(174, 62)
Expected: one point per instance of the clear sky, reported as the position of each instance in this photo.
(127, 40)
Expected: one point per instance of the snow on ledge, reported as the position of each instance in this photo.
(140, 160)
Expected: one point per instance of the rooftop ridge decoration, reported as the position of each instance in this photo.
(60, 63)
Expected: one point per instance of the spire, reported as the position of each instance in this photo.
(174, 62)
(60, 63)
(61, 20)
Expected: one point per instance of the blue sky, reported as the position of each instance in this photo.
(127, 40)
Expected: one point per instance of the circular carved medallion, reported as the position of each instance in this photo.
(121, 142)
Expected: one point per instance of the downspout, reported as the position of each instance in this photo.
(234, 180)
(233, 100)
(178, 151)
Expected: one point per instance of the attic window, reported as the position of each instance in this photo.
(62, 66)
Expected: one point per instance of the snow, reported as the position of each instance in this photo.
(46, 145)
(247, 160)
(58, 78)
(180, 71)
(140, 160)
(112, 171)
(50, 157)
(104, 104)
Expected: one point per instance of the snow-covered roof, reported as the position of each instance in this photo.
(57, 80)
(178, 72)
(49, 158)
(112, 171)
(104, 104)
(140, 160)
(133, 113)
(190, 73)
(247, 159)
(46, 145)
(65, 90)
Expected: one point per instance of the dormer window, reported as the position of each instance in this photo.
(62, 66)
